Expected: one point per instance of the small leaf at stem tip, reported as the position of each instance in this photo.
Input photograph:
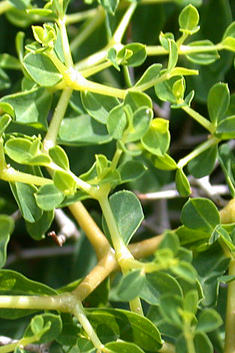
(188, 19)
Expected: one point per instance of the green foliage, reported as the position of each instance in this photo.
(117, 105)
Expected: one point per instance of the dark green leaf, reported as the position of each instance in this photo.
(227, 160)
(24, 196)
(127, 212)
(131, 170)
(38, 229)
(53, 322)
(137, 100)
(20, 4)
(139, 125)
(116, 122)
(4, 122)
(182, 183)
(202, 343)
(6, 228)
(41, 69)
(209, 320)
(131, 285)
(8, 61)
(200, 213)
(70, 331)
(221, 233)
(129, 326)
(218, 107)
(203, 164)
(98, 106)
(30, 107)
(226, 128)
(164, 90)
(157, 284)
(169, 307)
(133, 54)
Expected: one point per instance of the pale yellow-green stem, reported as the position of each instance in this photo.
(90, 228)
(227, 214)
(5, 5)
(199, 118)
(11, 175)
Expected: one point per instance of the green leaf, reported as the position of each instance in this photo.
(48, 197)
(98, 106)
(83, 130)
(178, 89)
(150, 74)
(203, 164)
(190, 302)
(131, 170)
(30, 107)
(131, 285)
(157, 284)
(173, 55)
(170, 241)
(188, 20)
(203, 57)
(137, 100)
(157, 138)
(116, 122)
(38, 229)
(41, 69)
(123, 347)
(220, 233)
(202, 343)
(4, 122)
(20, 4)
(59, 157)
(8, 61)
(4, 80)
(209, 320)
(64, 182)
(229, 37)
(200, 213)
(163, 90)
(6, 228)
(129, 326)
(165, 162)
(70, 331)
(24, 196)
(127, 212)
(218, 107)
(139, 125)
(109, 5)
(185, 270)
(169, 307)
(227, 160)
(16, 284)
(52, 321)
(182, 183)
(226, 128)
(133, 54)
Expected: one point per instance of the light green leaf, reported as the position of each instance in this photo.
(203, 57)
(137, 100)
(165, 162)
(64, 182)
(185, 270)
(218, 107)
(20, 4)
(173, 55)
(139, 125)
(123, 347)
(220, 232)
(188, 19)
(129, 326)
(4, 122)
(150, 74)
(41, 69)
(190, 302)
(59, 157)
(98, 106)
(163, 90)
(48, 197)
(109, 5)
(169, 307)
(200, 213)
(157, 138)
(133, 54)
(83, 130)
(182, 183)
(116, 122)
(127, 212)
(227, 160)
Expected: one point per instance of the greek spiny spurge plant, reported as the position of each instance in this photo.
(117, 176)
